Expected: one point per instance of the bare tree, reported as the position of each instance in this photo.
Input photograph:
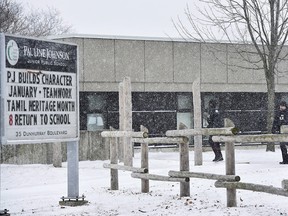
(15, 20)
(260, 23)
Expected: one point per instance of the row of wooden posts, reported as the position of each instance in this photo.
(121, 148)
(230, 180)
(173, 136)
(125, 122)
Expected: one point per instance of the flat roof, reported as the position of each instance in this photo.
(142, 38)
(120, 37)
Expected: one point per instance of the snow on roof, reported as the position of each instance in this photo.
(120, 37)
(142, 38)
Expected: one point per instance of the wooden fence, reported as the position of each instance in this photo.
(230, 164)
(143, 172)
(230, 180)
(178, 136)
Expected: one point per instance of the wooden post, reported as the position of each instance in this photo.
(284, 184)
(128, 145)
(114, 160)
(144, 162)
(230, 166)
(187, 174)
(252, 138)
(198, 158)
(125, 168)
(252, 187)
(202, 131)
(124, 134)
(121, 123)
(166, 140)
(284, 129)
(184, 164)
(57, 154)
(158, 177)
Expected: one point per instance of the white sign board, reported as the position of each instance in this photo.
(39, 91)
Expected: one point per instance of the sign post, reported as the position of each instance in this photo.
(39, 96)
(72, 164)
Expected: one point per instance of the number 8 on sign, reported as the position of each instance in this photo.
(10, 119)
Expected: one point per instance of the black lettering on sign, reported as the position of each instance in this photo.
(44, 119)
(22, 91)
(29, 78)
(57, 92)
(16, 105)
(25, 119)
(10, 76)
(56, 119)
(55, 79)
(41, 105)
(66, 106)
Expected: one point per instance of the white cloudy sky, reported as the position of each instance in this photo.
(119, 17)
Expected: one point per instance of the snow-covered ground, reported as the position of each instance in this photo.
(36, 189)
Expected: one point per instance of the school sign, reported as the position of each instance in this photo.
(39, 90)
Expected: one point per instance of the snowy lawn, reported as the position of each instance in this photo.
(36, 189)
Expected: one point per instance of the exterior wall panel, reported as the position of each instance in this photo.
(168, 87)
(282, 68)
(186, 62)
(240, 70)
(158, 61)
(213, 63)
(99, 60)
(111, 86)
(129, 60)
(101, 86)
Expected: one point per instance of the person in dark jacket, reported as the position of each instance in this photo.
(281, 118)
(214, 121)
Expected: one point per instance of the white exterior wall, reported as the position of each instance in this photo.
(159, 65)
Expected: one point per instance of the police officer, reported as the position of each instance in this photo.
(281, 118)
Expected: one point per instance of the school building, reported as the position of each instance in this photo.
(162, 71)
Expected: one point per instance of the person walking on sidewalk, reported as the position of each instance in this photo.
(281, 118)
(214, 121)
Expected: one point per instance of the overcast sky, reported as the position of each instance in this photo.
(149, 18)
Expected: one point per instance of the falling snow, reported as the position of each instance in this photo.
(36, 189)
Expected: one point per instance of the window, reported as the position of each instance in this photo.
(95, 122)
(184, 102)
(96, 102)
